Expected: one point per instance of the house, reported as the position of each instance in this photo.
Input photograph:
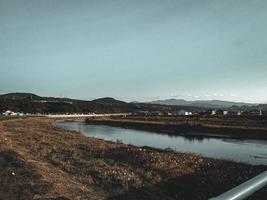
(225, 112)
(213, 112)
(14, 114)
(11, 113)
(167, 113)
(8, 112)
(184, 112)
(181, 112)
(234, 113)
(188, 113)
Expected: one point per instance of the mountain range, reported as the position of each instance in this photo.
(32, 103)
(201, 103)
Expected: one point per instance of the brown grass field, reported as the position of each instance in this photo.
(39, 161)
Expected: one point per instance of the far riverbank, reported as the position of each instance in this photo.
(235, 128)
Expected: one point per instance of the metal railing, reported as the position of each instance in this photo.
(246, 189)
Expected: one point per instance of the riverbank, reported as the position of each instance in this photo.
(236, 128)
(39, 161)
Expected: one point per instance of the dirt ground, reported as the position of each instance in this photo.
(39, 161)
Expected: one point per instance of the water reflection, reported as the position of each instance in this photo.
(248, 151)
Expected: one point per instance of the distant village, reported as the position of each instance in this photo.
(11, 113)
(182, 112)
(208, 112)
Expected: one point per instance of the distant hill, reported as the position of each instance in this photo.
(30, 96)
(31, 103)
(108, 100)
(201, 103)
(262, 107)
(20, 96)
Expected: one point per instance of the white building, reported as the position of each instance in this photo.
(7, 113)
(213, 112)
(183, 112)
(11, 113)
(188, 113)
(225, 112)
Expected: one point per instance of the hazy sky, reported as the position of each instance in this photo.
(135, 49)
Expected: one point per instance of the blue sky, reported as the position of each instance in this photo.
(135, 49)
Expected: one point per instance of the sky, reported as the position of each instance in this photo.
(135, 50)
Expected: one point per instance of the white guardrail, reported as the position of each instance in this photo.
(246, 189)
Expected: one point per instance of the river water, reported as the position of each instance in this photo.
(246, 151)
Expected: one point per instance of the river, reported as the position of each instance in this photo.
(246, 151)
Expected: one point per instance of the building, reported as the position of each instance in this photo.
(8, 113)
(225, 112)
(188, 113)
(11, 113)
(184, 112)
(167, 113)
(239, 113)
(213, 112)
